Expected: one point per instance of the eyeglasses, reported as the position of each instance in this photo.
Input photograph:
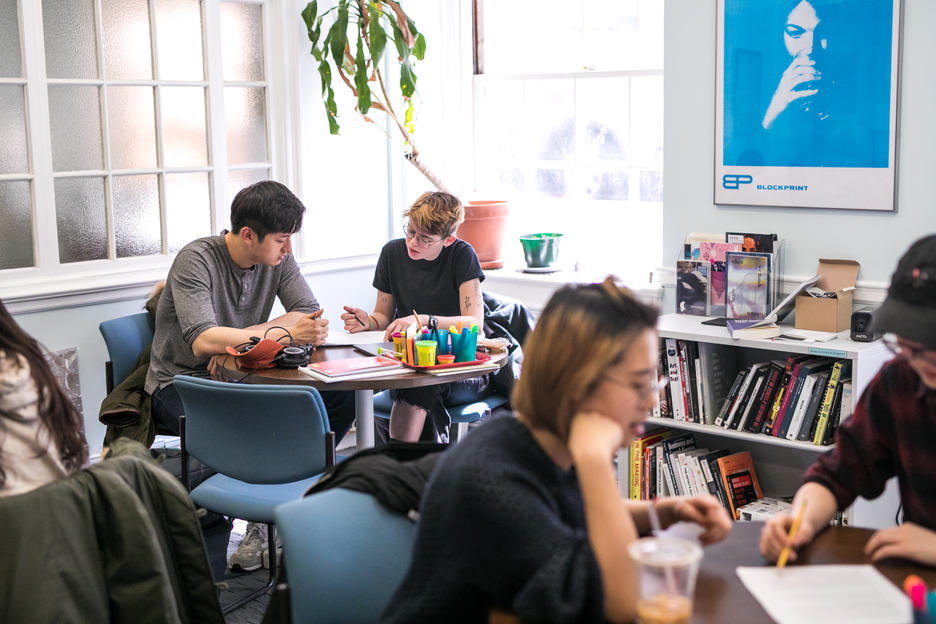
(644, 390)
(904, 349)
(421, 241)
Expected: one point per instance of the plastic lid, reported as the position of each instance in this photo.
(665, 551)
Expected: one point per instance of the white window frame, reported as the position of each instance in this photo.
(126, 278)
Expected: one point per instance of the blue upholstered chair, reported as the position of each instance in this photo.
(346, 554)
(462, 415)
(268, 443)
(126, 338)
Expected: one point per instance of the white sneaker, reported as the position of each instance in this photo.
(249, 555)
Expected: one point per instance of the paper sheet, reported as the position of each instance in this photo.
(823, 594)
(343, 338)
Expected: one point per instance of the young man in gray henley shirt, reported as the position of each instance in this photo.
(220, 292)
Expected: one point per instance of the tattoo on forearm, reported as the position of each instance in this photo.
(467, 304)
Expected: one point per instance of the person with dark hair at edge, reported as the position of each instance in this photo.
(41, 431)
(219, 292)
(892, 431)
(543, 532)
(431, 272)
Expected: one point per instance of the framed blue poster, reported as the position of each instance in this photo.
(806, 103)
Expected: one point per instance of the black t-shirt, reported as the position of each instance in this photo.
(427, 286)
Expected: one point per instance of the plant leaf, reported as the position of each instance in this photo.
(408, 117)
(407, 79)
(360, 77)
(332, 111)
(399, 42)
(325, 74)
(378, 38)
(338, 35)
(309, 14)
(419, 48)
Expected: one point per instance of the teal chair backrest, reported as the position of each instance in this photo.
(126, 338)
(254, 432)
(346, 554)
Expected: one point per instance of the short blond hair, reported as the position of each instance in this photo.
(583, 331)
(437, 213)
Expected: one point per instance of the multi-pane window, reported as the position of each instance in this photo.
(569, 124)
(127, 126)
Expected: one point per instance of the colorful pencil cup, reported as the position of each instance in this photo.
(443, 342)
(464, 346)
(425, 352)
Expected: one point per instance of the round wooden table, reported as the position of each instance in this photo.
(363, 388)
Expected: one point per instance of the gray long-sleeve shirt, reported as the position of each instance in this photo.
(205, 289)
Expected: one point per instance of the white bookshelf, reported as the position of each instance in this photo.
(779, 462)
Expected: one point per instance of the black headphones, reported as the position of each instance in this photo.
(291, 357)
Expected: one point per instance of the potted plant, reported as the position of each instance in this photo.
(356, 60)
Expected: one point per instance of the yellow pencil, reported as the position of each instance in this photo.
(418, 324)
(793, 529)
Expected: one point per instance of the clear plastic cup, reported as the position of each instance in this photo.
(667, 570)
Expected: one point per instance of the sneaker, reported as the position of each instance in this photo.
(279, 555)
(249, 555)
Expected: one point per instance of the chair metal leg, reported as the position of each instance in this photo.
(330, 456)
(184, 454)
(274, 573)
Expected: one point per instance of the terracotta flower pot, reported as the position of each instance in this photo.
(483, 229)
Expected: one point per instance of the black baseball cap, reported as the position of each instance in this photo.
(910, 307)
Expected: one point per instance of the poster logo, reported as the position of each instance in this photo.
(734, 182)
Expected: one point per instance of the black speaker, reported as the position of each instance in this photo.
(862, 325)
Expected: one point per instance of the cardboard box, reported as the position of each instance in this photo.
(830, 314)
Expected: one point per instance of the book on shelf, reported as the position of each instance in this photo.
(662, 485)
(784, 383)
(828, 433)
(739, 480)
(794, 388)
(744, 394)
(763, 508)
(687, 382)
(672, 446)
(730, 397)
(678, 403)
(840, 369)
(808, 421)
(751, 328)
(702, 416)
(774, 373)
(799, 411)
(637, 455)
(709, 463)
(753, 398)
(719, 364)
(648, 477)
(692, 472)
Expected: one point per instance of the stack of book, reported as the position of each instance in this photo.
(668, 463)
(800, 397)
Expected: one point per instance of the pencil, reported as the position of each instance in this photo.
(793, 529)
(418, 324)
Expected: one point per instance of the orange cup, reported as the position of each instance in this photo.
(445, 359)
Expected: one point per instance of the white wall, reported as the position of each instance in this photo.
(876, 240)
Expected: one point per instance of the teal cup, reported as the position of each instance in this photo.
(465, 346)
(443, 341)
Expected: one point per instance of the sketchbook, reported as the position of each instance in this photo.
(342, 338)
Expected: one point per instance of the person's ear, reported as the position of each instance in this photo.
(448, 241)
(247, 235)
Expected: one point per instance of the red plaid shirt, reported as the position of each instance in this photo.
(892, 432)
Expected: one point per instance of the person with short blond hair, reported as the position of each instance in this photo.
(438, 276)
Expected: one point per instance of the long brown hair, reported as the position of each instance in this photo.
(61, 419)
(582, 331)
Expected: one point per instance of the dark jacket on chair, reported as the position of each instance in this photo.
(116, 542)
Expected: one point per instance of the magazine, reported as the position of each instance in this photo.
(747, 292)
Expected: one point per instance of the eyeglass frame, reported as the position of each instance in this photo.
(644, 391)
(917, 351)
(420, 240)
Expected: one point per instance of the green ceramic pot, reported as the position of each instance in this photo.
(541, 250)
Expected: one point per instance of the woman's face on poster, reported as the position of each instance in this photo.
(799, 36)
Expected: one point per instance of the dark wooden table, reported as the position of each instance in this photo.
(720, 597)
(363, 388)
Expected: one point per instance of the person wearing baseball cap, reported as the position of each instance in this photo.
(892, 432)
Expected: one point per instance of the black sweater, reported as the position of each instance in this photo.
(501, 525)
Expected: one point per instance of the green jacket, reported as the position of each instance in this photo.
(116, 542)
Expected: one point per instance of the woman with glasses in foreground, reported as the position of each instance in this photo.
(436, 276)
(892, 431)
(525, 515)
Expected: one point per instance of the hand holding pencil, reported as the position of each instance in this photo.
(783, 534)
(311, 329)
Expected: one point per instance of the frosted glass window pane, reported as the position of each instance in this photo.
(647, 118)
(69, 38)
(242, 41)
(185, 139)
(132, 127)
(245, 121)
(11, 61)
(242, 178)
(12, 130)
(81, 220)
(179, 32)
(188, 208)
(74, 113)
(136, 215)
(127, 50)
(601, 112)
(16, 235)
